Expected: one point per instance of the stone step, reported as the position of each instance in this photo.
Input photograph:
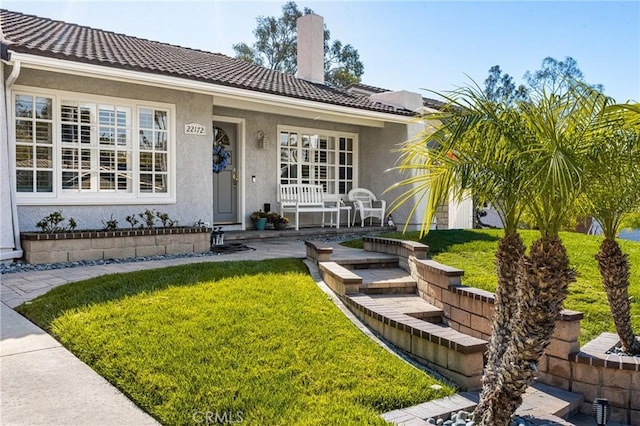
(410, 304)
(386, 281)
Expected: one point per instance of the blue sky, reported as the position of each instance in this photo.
(411, 45)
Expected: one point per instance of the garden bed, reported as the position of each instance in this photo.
(40, 247)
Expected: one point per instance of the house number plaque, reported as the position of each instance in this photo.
(195, 129)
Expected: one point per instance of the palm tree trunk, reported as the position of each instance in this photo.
(542, 287)
(508, 257)
(614, 269)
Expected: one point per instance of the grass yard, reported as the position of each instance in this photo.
(473, 251)
(251, 341)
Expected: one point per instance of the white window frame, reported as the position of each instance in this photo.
(330, 133)
(105, 197)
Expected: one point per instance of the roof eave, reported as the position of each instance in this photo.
(45, 63)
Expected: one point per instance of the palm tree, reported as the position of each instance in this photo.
(612, 192)
(469, 151)
(526, 155)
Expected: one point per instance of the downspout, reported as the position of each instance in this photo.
(15, 73)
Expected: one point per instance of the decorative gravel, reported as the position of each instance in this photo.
(618, 351)
(465, 418)
(8, 268)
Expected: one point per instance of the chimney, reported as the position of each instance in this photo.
(311, 48)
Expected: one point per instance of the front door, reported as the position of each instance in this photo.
(225, 176)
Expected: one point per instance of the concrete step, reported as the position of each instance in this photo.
(410, 304)
(386, 281)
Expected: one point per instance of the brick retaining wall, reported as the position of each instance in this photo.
(76, 246)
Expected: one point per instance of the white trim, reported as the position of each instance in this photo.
(241, 142)
(60, 197)
(158, 80)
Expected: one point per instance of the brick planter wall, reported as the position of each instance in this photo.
(96, 245)
(587, 370)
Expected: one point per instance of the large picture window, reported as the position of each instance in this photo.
(68, 147)
(318, 157)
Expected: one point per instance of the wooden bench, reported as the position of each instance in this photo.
(305, 198)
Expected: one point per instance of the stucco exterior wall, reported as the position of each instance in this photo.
(193, 159)
(377, 158)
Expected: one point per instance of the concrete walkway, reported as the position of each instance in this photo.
(43, 383)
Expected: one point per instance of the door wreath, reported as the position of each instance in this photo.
(220, 158)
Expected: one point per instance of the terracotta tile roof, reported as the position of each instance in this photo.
(56, 39)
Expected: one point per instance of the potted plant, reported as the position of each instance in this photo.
(259, 219)
(278, 222)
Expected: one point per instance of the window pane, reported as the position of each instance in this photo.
(43, 133)
(44, 181)
(69, 180)
(69, 158)
(107, 116)
(160, 120)
(124, 136)
(24, 106)
(146, 118)
(24, 181)
(161, 183)
(349, 144)
(107, 160)
(161, 141)
(161, 163)
(146, 138)
(86, 181)
(124, 182)
(69, 113)
(85, 135)
(123, 117)
(69, 133)
(123, 161)
(146, 182)
(86, 114)
(85, 159)
(107, 181)
(24, 156)
(43, 108)
(146, 161)
(44, 157)
(24, 131)
(284, 138)
(107, 136)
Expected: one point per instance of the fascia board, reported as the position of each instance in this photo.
(158, 80)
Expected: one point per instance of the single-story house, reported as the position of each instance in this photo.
(102, 125)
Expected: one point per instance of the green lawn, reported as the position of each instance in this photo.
(473, 251)
(256, 341)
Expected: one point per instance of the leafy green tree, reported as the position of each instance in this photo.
(554, 76)
(276, 48)
(557, 75)
(500, 87)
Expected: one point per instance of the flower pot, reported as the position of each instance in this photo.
(280, 225)
(260, 224)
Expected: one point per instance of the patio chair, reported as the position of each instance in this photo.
(367, 205)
